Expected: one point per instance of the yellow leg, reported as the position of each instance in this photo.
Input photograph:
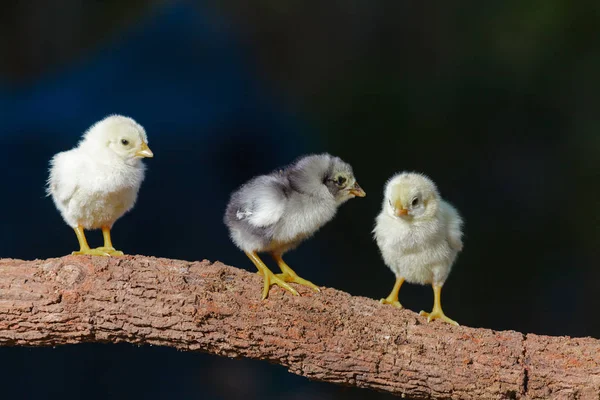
(393, 297)
(288, 274)
(84, 248)
(108, 246)
(106, 235)
(437, 312)
(269, 277)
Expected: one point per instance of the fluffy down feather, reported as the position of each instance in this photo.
(275, 212)
(97, 182)
(419, 235)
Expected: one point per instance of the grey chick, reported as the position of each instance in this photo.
(274, 213)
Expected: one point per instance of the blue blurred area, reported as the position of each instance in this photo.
(176, 69)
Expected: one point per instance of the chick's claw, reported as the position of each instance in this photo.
(296, 279)
(289, 275)
(91, 252)
(110, 251)
(391, 302)
(392, 299)
(437, 314)
(271, 279)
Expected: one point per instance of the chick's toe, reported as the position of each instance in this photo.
(437, 314)
(271, 279)
(110, 251)
(91, 252)
(392, 299)
(391, 302)
(289, 275)
(296, 279)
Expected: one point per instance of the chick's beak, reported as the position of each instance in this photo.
(145, 151)
(357, 190)
(401, 211)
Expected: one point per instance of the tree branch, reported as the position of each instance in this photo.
(328, 336)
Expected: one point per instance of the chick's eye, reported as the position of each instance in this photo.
(340, 180)
(415, 201)
(124, 142)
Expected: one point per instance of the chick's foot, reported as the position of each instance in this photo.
(391, 302)
(296, 279)
(111, 251)
(91, 252)
(392, 299)
(289, 275)
(437, 314)
(271, 279)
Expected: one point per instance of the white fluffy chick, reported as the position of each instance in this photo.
(419, 236)
(274, 213)
(97, 182)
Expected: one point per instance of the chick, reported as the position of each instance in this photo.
(97, 182)
(419, 236)
(274, 213)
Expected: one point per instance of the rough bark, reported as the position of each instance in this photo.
(328, 336)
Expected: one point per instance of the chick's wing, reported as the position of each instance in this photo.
(62, 183)
(453, 225)
(262, 201)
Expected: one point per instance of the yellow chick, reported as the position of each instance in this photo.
(97, 182)
(419, 236)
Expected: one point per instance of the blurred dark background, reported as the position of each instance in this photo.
(496, 101)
